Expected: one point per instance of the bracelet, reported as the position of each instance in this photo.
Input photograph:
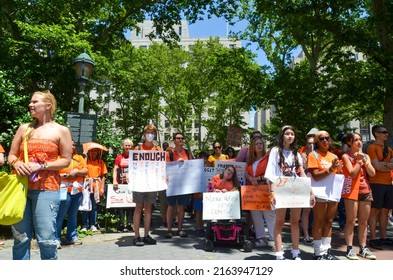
(14, 161)
(44, 165)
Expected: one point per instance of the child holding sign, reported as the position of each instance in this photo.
(284, 160)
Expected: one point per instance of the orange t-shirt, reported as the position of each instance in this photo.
(323, 161)
(219, 184)
(144, 147)
(2, 149)
(77, 162)
(375, 151)
(176, 155)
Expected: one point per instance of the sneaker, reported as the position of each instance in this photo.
(329, 256)
(93, 228)
(129, 227)
(121, 228)
(138, 242)
(280, 258)
(149, 241)
(73, 242)
(182, 233)
(375, 244)
(168, 235)
(296, 255)
(307, 240)
(261, 242)
(351, 255)
(319, 258)
(366, 253)
(84, 229)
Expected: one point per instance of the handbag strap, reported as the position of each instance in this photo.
(26, 154)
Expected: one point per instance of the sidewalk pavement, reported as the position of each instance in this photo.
(118, 246)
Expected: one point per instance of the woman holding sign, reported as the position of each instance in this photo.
(284, 160)
(255, 171)
(322, 163)
(357, 195)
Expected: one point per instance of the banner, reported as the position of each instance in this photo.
(122, 197)
(328, 188)
(240, 167)
(255, 197)
(185, 177)
(147, 171)
(221, 206)
(291, 192)
(209, 173)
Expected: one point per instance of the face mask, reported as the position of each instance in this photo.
(150, 137)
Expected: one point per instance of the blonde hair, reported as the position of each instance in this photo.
(48, 97)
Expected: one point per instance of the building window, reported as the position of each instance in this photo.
(196, 137)
(167, 124)
(180, 31)
(232, 46)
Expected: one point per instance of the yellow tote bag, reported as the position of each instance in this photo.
(13, 194)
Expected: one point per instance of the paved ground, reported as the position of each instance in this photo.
(118, 246)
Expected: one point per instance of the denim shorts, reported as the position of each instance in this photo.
(198, 206)
(183, 200)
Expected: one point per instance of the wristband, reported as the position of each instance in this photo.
(44, 165)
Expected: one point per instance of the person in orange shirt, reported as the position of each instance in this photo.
(357, 195)
(144, 200)
(322, 163)
(381, 186)
(97, 171)
(49, 147)
(226, 181)
(72, 179)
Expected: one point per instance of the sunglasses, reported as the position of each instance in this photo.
(217, 147)
(383, 131)
(324, 138)
(179, 138)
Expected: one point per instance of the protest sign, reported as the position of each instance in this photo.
(147, 171)
(329, 188)
(221, 206)
(240, 167)
(255, 197)
(209, 173)
(122, 197)
(185, 177)
(291, 192)
(234, 136)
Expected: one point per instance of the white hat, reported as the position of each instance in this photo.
(312, 131)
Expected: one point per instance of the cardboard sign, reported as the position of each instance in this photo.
(221, 206)
(147, 171)
(328, 188)
(185, 177)
(255, 197)
(234, 136)
(291, 192)
(240, 168)
(122, 197)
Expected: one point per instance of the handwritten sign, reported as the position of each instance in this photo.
(122, 197)
(291, 192)
(185, 177)
(209, 173)
(221, 206)
(234, 136)
(328, 188)
(147, 171)
(255, 197)
(240, 168)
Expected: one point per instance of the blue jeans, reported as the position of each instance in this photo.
(40, 215)
(89, 218)
(69, 207)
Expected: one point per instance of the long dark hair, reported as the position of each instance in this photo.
(235, 181)
(292, 147)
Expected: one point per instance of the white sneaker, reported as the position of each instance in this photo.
(84, 229)
(93, 228)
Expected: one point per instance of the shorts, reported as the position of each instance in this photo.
(198, 206)
(183, 200)
(366, 197)
(382, 195)
(144, 197)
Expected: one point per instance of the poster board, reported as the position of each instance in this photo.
(221, 205)
(328, 188)
(122, 197)
(185, 177)
(234, 136)
(255, 197)
(147, 171)
(291, 192)
(240, 167)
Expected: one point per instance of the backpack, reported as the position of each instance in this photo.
(171, 154)
(365, 146)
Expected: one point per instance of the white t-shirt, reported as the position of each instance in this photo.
(273, 168)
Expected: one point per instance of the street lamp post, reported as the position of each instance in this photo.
(84, 66)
